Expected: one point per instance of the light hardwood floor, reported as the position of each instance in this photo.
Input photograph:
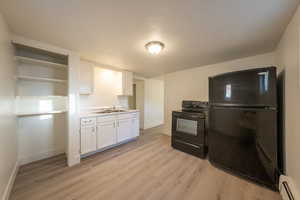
(146, 169)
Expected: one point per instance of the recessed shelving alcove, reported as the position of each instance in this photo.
(41, 102)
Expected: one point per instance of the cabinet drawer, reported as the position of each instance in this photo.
(106, 119)
(127, 116)
(134, 115)
(88, 122)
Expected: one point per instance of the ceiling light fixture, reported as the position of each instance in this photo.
(154, 47)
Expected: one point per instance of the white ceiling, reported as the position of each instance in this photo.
(195, 32)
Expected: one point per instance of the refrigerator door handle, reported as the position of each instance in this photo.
(243, 108)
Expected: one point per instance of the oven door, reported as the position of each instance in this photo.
(188, 127)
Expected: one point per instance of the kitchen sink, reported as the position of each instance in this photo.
(119, 111)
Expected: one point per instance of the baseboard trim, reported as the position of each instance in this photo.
(73, 160)
(11, 181)
(291, 186)
(109, 147)
(39, 156)
(152, 126)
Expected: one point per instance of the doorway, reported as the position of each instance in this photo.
(137, 100)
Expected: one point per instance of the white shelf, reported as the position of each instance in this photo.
(40, 105)
(33, 78)
(41, 113)
(40, 62)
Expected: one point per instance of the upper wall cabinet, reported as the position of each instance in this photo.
(127, 83)
(86, 78)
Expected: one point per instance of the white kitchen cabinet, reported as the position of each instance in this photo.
(124, 129)
(127, 83)
(99, 132)
(88, 139)
(86, 78)
(106, 134)
(135, 127)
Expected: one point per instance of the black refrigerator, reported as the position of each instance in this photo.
(242, 135)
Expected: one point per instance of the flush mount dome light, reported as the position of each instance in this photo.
(154, 47)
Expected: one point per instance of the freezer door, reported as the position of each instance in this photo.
(244, 88)
(244, 141)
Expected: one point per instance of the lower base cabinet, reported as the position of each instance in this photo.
(88, 140)
(107, 131)
(124, 130)
(136, 127)
(106, 134)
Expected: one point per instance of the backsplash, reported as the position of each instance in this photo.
(107, 84)
(86, 104)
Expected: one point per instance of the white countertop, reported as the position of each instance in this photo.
(94, 114)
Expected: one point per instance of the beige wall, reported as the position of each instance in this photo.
(46, 139)
(154, 103)
(140, 100)
(132, 99)
(107, 86)
(192, 84)
(288, 58)
(8, 137)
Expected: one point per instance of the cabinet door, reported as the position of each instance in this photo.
(106, 134)
(88, 139)
(136, 127)
(124, 129)
(86, 78)
(127, 83)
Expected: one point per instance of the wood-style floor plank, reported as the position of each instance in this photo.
(145, 169)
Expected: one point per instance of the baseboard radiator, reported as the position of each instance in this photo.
(287, 189)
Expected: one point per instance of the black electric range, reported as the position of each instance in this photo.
(189, 128)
